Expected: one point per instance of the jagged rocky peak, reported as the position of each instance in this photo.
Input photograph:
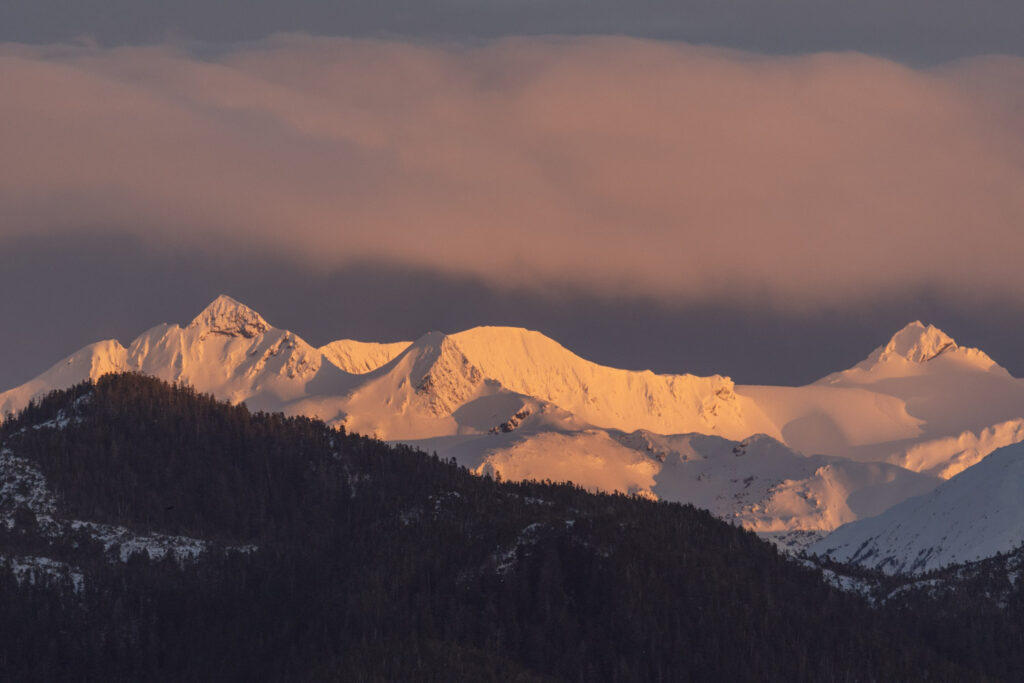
(226, 316)
(918, 343)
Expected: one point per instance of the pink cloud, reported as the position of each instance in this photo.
(680, 171)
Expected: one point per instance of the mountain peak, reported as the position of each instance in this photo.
(910, 352)
(918, 343)
(226, 316)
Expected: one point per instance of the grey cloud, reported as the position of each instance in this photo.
(612, 165)
(913, 30)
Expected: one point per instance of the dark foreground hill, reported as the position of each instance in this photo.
(284, 550)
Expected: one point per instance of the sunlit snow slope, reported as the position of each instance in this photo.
(361, 357)
(921, 402)
(514, 402)
(758, 482)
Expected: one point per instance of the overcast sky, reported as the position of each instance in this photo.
(766, 190)
(918, 31)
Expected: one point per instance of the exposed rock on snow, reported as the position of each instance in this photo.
(226, 316)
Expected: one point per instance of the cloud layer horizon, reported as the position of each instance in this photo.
(617, 165)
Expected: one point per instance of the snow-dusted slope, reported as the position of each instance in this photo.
(91, 362)
(434, 386)
(529, 363)
(976, 514)
(23, 486)
(359, 357)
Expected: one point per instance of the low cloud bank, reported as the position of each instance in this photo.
(682, 172)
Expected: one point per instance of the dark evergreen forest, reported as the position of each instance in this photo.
(337, 557)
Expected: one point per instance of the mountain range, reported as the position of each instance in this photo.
(148, 532)
(791, 463)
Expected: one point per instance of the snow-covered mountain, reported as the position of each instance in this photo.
(921, 402)
(361, 357)
(438, 385)
(976, 514)
(473, 381)
(512, 401)
(228, 350)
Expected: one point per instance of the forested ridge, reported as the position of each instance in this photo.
(331, 556)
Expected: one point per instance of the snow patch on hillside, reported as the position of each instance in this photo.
(35, 570)
(125, 543)
(23, 487)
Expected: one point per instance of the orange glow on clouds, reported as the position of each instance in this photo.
(679, 171)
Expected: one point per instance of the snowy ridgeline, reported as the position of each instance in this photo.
(790, 463)
(24, 494)
(920, 401)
